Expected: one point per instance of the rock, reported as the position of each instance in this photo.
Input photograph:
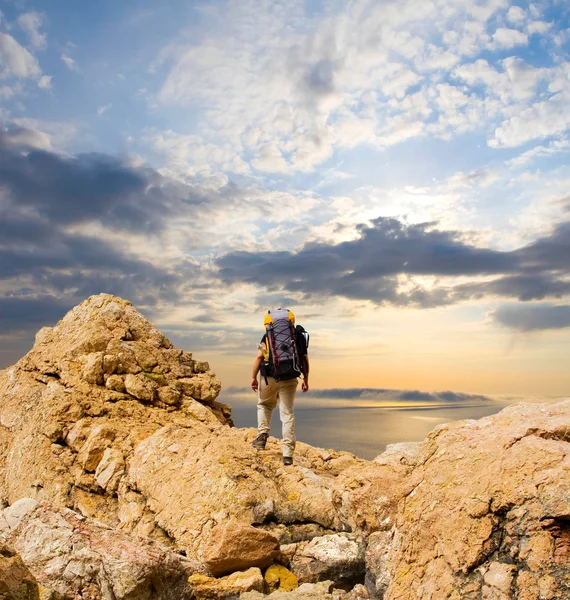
(338, 557)
(307, 591)
(235, 547)
(110, 470)
(210, 588)
(141, 387)
(67, 553)
(278, 577)
(16, 581)
(116, 383)
(58, 420)
(377, 573)
(92, 451)
(488, 512)
(169, 395)
(201, 366)
(196, 478)
(93, 369)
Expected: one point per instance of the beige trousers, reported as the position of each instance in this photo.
(269, 394)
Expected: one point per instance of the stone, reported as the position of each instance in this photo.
(338, 557)
(116, 383)
(203, 387)
(235, 547)
(93, 369)
(201, 366)
(66, 553)
(377, 572)
(16, 581)
(141, 387)
(169, 395)
(307, 591)
(211, 588)
(92, 451)
(110, 470)
(278, 577)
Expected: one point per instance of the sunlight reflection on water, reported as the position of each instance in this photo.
(365, 431)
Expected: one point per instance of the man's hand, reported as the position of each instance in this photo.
(305, 386)
(254, 384)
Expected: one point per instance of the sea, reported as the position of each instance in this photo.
(365, 431)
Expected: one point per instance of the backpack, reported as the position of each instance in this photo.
(283, 346)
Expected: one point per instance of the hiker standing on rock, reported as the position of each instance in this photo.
(281, 359)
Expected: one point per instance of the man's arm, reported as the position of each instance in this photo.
(256, 367)
(305, 384)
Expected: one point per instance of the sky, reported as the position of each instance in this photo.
(395, 172)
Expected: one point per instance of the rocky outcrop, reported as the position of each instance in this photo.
(488, 513)
(69, 553)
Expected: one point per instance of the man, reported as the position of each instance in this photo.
(270, 391)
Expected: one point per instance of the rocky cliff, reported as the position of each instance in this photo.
(122, 477)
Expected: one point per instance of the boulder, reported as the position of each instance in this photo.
(67, 553)
(211, 588)
(235, 547)
(377, 573)
(338, 558)
(16, 581)
(488, 512)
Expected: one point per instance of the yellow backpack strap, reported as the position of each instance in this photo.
(291, 317)
(268, 320)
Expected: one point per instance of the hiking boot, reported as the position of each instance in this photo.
(287, 460)
(260, 441)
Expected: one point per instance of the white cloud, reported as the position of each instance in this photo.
(554, 147)
(103, 109)
(44, 82)
(60, 133)
(28, 137)
(505, 38)
(15, 60)
(70, 63)
(516, 15)
(30, 23)
(538, 27)
(282, 90)
(542, 119)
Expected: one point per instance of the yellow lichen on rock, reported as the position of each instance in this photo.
(278, 577)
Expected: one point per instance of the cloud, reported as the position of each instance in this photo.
(535, 317)
(30, 23)
(15, 60)
(389, 261)
(70, 63)
(516, 15)
(103, 109)
(89, 187)
(505, 38)
(44, 82)
(368, 267)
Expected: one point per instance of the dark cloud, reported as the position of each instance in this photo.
(19, 311)
(49, 263)
(534, 317)
(368, 267)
